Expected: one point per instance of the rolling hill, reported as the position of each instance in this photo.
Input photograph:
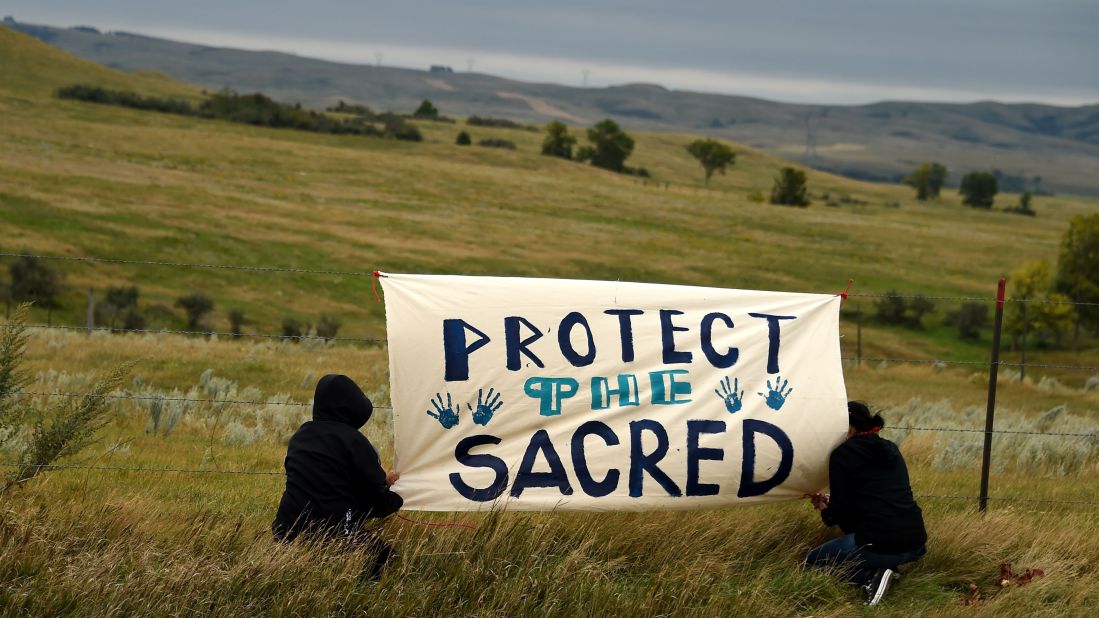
(84, 179)
(172, 508)
(1037, 147)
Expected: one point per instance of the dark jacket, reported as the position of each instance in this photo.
(872, 497)
(334, 479)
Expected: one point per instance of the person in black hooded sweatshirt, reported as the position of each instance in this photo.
(334, 478)
(871, 501)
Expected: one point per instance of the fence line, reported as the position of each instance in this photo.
(263, 269)
(291, 403)
(165, 331)
(190, 399)
(985, 363)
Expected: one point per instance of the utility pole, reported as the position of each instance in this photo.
(378, 56)
(584, 82)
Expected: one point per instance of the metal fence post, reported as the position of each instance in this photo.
(993, 371)
(1022, 361)
(91, 310)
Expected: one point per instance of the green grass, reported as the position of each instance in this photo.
(81, 179)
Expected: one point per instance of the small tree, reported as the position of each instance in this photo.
(292, 328)
(328, 326)
(426, 110)
(928, 180)
(120, 307)
(789, 188)
(236, 321)
(610, 146)
(920, 306)
(970, 319)
(979, 189)
(463, 139)
(712, 155)
(62, 429)
(196, 305)
(891, 308)
(1024, 206)
(558, 142)
(1078, 267)
(34, 281)
(1048, 315)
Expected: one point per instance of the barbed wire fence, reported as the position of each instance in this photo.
(993, 364)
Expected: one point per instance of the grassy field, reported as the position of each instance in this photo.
(81, 179)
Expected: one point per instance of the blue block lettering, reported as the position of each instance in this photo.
(625, 328)
(641, 462)
(456, 352)
(550, 393)
(721, 361)
(601, 392)
(695, 454)
(672, 393)
(564, 339)
(773, 337)
(527, 477)
(497, 465)
(595, 489)
(516, 346)
(667, 335)
(748, 485)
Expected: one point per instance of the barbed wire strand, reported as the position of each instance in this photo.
(292, 403)
(1094, 434)
(871, 359)
(164, 331)
(263, 269)
(981, 299)
(165, 398)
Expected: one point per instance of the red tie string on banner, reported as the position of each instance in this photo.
(374, 285)
(843, 294)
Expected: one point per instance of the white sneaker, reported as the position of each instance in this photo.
(879, 583)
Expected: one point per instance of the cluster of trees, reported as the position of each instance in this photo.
(1048, 315)
(608, 148)
(32, 280)
(978, 189)
(254, 109)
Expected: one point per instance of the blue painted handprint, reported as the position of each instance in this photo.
(446, 415)
(728, 393)
(486, 407)
(775, 396)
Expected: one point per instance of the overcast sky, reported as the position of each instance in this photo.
(820, 51)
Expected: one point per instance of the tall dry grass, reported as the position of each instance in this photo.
(79, 542)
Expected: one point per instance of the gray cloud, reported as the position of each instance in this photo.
(841, 50)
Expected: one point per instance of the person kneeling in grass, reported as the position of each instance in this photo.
(871, 501)
(334, 478)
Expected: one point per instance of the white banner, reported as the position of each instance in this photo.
(540, 394)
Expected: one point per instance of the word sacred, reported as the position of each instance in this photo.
(642, 464)
(520, 335)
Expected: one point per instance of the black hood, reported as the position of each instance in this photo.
(875, 450)
(339, 399)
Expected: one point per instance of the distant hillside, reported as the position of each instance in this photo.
(1057, 146)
